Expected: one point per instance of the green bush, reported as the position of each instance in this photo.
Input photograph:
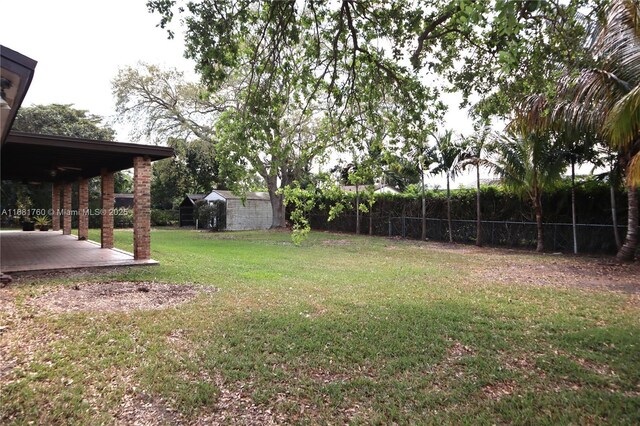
(161, 217)
(123, 218)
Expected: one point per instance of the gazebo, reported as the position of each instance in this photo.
(65, 161)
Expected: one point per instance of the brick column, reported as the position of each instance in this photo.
(106, 231)
(83, 209)
(55, 206)
(142, 208)
(66, 207)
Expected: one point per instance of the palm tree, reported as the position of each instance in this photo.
(606, 100)
(447, 154)
(576, 144)
(474, 152)
(422, 155)
(577, 149)
(528, 164)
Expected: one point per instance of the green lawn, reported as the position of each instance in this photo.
(342, 329)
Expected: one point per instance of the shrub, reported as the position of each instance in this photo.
(124, 218)
(161, 217)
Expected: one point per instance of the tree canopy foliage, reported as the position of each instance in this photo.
(62, 120)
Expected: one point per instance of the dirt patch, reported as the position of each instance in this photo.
(235, 406)
(144, 409)
(458, 351)
(118, 296)
(586, 273)
(499, 390)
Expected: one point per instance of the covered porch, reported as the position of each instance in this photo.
(68, 163)
(45, 251)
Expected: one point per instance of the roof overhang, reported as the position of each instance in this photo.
(16, 71)
(46, 158)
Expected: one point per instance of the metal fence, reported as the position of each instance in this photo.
(592, 238)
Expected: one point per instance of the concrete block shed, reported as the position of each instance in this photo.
(254, 213)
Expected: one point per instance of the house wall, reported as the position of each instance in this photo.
(254, 214)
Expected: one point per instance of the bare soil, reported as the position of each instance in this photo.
(549, 269)
(118, 296)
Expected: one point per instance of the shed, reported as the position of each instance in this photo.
(123, 201)
(187, 209)
(254, 213)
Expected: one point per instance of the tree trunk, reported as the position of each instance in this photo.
(357, 210)
(478, 210)
(614, 216)
(537, 207)
(424, 210)
(628, 250)
(573, 205)
(279, 219)
(449, 209)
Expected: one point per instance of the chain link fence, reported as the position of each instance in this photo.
(592, 238)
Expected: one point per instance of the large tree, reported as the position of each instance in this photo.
(272, 136)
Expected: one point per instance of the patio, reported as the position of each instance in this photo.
(40, 251)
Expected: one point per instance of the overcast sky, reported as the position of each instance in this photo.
(80, 45)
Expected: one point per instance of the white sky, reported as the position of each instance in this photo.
(80, 45)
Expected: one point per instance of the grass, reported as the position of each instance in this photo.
(342, 329)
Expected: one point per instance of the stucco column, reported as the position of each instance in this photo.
(66, 207)
(55, 206)
(142, 208)
(83, 209)
(106, 231)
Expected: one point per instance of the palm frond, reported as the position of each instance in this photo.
(622, 124)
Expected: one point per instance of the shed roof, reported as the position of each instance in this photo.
(228, 195)
(196, 197)
(191, 199)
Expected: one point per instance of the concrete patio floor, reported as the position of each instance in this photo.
(33, 251)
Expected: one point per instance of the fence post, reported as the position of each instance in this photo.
(493, 232)
(389, 226)
(404, 226)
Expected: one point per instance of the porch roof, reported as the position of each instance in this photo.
(46, 158)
